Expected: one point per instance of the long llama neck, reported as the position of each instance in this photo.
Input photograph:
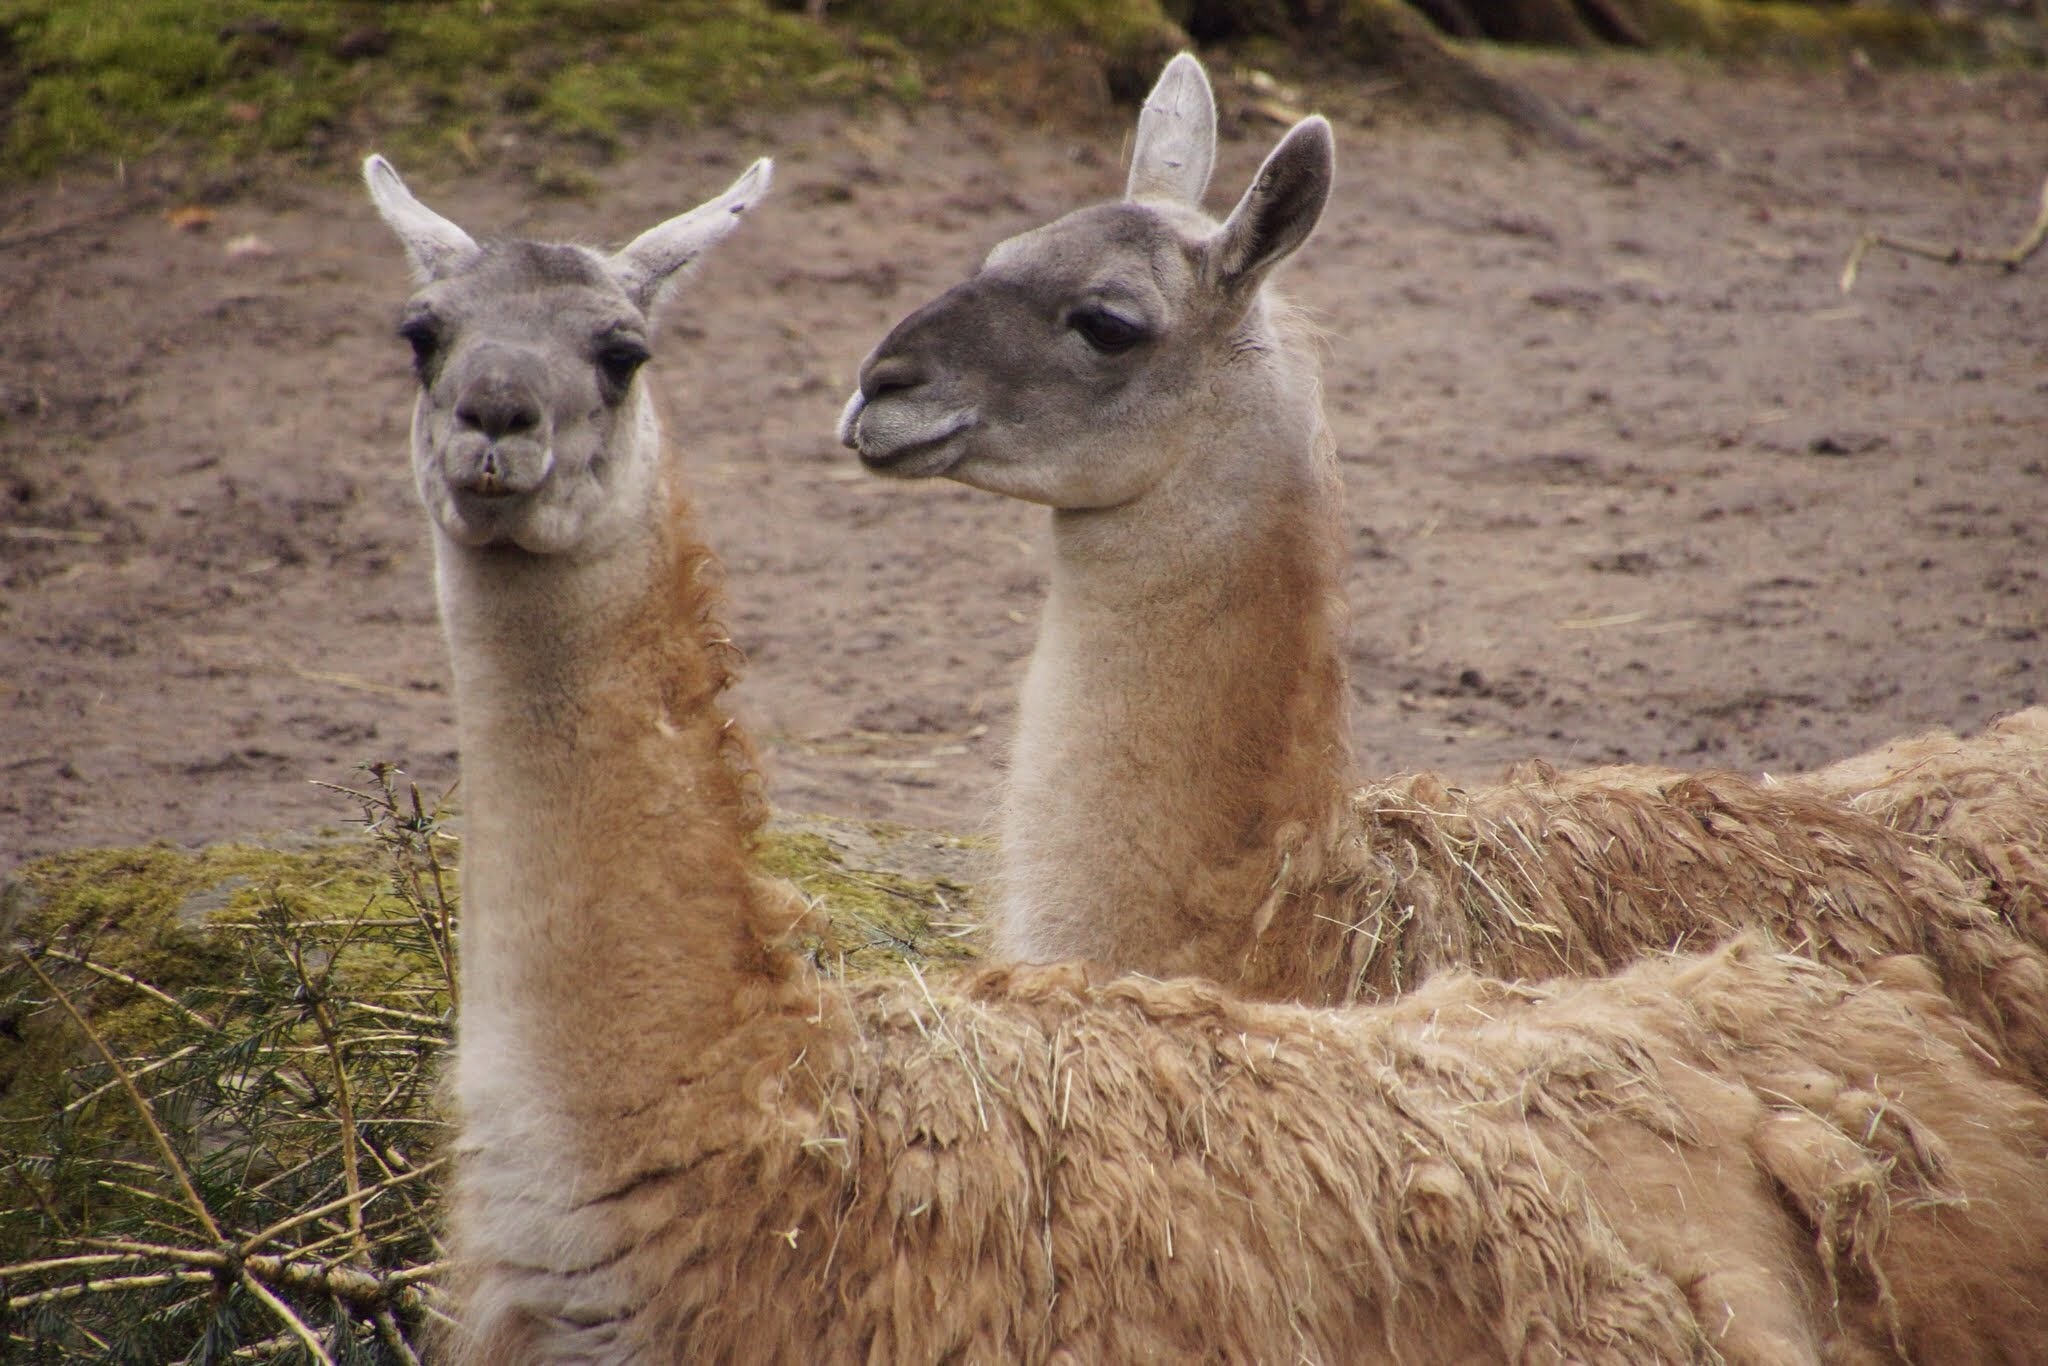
(613, 932)
(1184, 731)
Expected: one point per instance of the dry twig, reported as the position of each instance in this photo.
(2010, 260)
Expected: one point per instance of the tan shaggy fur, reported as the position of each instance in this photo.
(1980, 803)
(677, 1141)
(1743, 1154)
(1549, 874)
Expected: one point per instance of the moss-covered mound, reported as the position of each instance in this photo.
(82, 80)
(883, 895)
(1797, 31)
(217, 1079)
(235, 77)
(238, 76)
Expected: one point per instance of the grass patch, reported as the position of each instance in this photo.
(316, 83)
(1792, 31)
(231, 78)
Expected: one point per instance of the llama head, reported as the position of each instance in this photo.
(532, 428)
(1086, 359)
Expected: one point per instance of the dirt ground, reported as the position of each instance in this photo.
(1628, 477)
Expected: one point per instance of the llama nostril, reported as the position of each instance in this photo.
(889, 375)
(498, 411)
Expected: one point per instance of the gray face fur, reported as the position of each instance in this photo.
(532, 427)
(1074, 368)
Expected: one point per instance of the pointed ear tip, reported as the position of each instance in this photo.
(1314, 135)
(752, 183)
(1185, 69)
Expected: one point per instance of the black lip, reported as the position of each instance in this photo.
(498, 494)
(895, 462)
(908, 454)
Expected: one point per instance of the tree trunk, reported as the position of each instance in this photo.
(1387, 35)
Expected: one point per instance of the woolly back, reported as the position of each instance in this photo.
(1981, 804)
(1548, 874)
(1740, 1156)
(1883, 1139)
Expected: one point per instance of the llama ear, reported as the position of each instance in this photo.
(1176, 144)
(1280, 209)
(650, 260)
(434, 245)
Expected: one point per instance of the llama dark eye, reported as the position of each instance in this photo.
(619, 359)
(1105, 331)
(424, 338)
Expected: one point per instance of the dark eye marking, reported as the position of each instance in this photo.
(619, 357)
(1107, 332)
(423, 332)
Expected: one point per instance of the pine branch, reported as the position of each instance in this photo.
(142, 1107)
(291, 1320)
(17, 1303)
(126, 979)
(299, 1217)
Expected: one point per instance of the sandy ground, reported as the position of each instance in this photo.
(1628, 477)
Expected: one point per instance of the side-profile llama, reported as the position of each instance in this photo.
(1182, 796)
(679, 1141)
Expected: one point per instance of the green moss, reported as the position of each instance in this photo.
(1800, 32)
(605, 98)
(149, 914)
(947, 24)
(231, 77)
(123, 78)
(319, 83)
(884, 895)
